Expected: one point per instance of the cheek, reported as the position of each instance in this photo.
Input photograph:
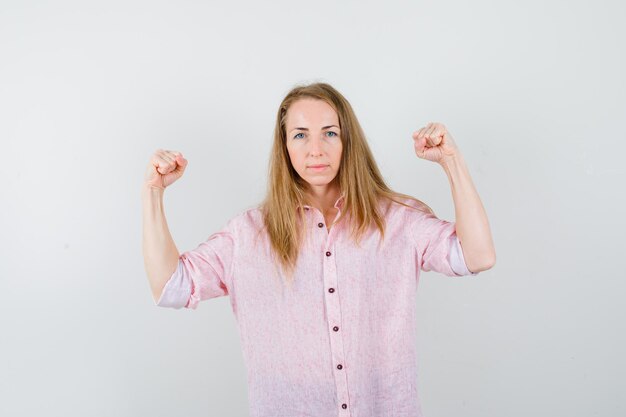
(294, 156)
(338, 156)
(290, 152)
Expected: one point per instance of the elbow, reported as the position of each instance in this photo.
(483, 264)
(490, 261)
(157, 289)
(156, 297)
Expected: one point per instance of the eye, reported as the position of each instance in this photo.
(330, 131)
(296, 136)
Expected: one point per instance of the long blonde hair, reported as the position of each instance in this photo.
(359, 179)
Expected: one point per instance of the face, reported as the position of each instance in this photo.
(314, 141)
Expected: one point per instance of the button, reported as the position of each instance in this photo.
(339, 366)
(327, 253)
(344, 406)
(331, 290)
(336, 328)
(320, 225)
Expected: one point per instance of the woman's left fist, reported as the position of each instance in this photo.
(434, 143)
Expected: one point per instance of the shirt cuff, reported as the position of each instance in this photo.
(457, 261)
(177, 290)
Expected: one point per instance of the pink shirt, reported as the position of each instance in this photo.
(341, 342)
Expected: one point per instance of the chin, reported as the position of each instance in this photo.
(319, 181)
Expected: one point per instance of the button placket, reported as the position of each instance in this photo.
(334, 317)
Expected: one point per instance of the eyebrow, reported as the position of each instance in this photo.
(304, 128)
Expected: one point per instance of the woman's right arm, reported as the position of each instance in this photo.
(159, 251)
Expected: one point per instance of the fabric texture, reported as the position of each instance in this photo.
(340, 341)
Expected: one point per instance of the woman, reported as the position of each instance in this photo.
(322, 276)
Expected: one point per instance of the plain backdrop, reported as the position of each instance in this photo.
(532, 91)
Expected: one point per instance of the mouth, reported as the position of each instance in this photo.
(318, 167)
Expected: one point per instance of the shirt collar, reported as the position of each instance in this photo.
(338, 203)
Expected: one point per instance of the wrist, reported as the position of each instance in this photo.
(450, 161)
(152, 191)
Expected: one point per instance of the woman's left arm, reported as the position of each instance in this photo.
(434, 143)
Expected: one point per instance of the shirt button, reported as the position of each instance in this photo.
(327, 253)
(331, 290)
(336, 328)
(339, 366)
(320, 225)
(344, 406)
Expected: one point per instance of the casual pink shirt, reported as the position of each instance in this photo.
(341, 341)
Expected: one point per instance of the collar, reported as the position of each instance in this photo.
(338, 203)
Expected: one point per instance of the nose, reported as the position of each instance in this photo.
(315, 146)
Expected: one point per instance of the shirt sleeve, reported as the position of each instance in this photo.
(202, 273)
(439, 248)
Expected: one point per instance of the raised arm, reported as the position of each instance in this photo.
(435, 143)
(159, 251)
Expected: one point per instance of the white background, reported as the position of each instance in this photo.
(532, 91)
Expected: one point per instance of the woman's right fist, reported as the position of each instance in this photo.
(164, 168)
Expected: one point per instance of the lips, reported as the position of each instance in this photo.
(317, 166)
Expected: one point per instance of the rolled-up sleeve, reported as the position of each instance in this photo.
(456, 259)
(177, 290)
(438, 246)
(202, 273)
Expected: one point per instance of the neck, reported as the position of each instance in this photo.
(323, 197)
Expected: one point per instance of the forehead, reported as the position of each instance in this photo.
(309, 111)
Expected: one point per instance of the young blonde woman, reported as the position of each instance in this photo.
(322, 275)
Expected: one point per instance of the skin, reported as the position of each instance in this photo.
(159, 250)
(311, 142)
(434, 143)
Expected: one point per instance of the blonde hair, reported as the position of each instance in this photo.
(359, 180)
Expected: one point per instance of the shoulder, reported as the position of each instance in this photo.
(405, 207)
(246, 221)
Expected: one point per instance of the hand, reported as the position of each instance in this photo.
(434, 143)
(164, 168)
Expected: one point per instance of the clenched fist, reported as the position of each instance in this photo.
(164, 168)
(434, 143)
